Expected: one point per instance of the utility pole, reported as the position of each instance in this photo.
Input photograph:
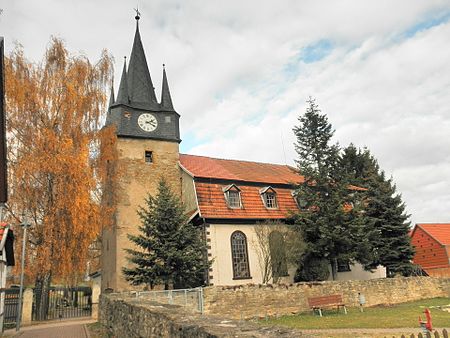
(25, 224)
(3, 179)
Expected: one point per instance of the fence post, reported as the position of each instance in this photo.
(95, 299)
(27, 307)
(200, 300)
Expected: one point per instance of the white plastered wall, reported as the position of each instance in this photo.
(222, 269)
(357, 272)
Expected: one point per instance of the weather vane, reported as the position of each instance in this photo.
(138, 14)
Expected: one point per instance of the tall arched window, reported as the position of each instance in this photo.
(239, 255)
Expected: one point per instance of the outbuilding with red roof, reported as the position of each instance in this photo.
(432, 244)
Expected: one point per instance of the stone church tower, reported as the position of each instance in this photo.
(148, 137)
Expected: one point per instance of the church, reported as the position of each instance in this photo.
(225, 198)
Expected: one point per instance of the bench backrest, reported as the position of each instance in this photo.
(325, 300)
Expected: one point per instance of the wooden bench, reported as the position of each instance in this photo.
(318, 303)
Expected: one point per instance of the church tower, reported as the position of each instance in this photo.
(148, 137)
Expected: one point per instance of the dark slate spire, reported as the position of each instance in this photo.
(122, 96)
(140, 86)
(111, 96)
(166, 99)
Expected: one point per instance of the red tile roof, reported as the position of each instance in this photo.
(439, 231)
(212, 203)
(207, 167)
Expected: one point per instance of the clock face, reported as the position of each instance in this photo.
(147, 122)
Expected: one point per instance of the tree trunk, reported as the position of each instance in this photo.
(42, 290)
(334, 268)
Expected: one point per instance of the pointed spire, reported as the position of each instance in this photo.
(111, 96)
(140, 86)
(166, 99)
(122, 96)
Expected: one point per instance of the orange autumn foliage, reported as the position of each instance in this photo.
(54, 112)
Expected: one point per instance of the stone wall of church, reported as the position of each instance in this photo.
(248, 301)
(137, 178)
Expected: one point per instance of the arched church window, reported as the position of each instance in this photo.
(239, 255)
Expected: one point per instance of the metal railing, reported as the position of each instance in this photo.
(11, 307)
(191, 299)
(64, 302)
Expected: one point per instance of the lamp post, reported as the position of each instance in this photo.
(25, 225)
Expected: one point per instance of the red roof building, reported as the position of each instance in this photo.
(432, 244)
(228, 198)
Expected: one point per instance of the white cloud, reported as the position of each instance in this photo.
(238, 80)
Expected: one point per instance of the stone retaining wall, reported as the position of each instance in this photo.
(125, 316)
(248, 301)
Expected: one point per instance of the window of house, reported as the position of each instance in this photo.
(233, 196)
(301, 202)
(278, 255)
(148, 156)
(343, 266)
(269, 197)
(239, 255)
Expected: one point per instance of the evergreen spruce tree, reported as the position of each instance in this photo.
(385, 240)
(325, 223)
(172, 251)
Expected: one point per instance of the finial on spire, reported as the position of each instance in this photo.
(164, 65)
(138, 14)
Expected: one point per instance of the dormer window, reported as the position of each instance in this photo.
(301, 202)
(233, 196)
(269, 197)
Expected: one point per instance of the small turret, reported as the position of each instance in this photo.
(122, 96)
(166, 99)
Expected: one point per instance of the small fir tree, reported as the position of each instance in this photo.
(325, 222)
(172, 251)
(385, 236)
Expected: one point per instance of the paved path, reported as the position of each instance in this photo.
(65, 329)
(365, 333)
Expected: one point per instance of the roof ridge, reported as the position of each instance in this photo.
(247, 161)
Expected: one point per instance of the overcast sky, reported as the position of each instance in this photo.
(240, 73)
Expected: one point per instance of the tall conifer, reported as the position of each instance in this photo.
(385, 240)
(325, 223)
(172, 251)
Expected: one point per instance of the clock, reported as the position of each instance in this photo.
(147, 122)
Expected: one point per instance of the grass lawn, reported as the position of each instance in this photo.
(395, 316)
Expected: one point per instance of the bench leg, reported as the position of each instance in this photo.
(320, 312)
(345, 310)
